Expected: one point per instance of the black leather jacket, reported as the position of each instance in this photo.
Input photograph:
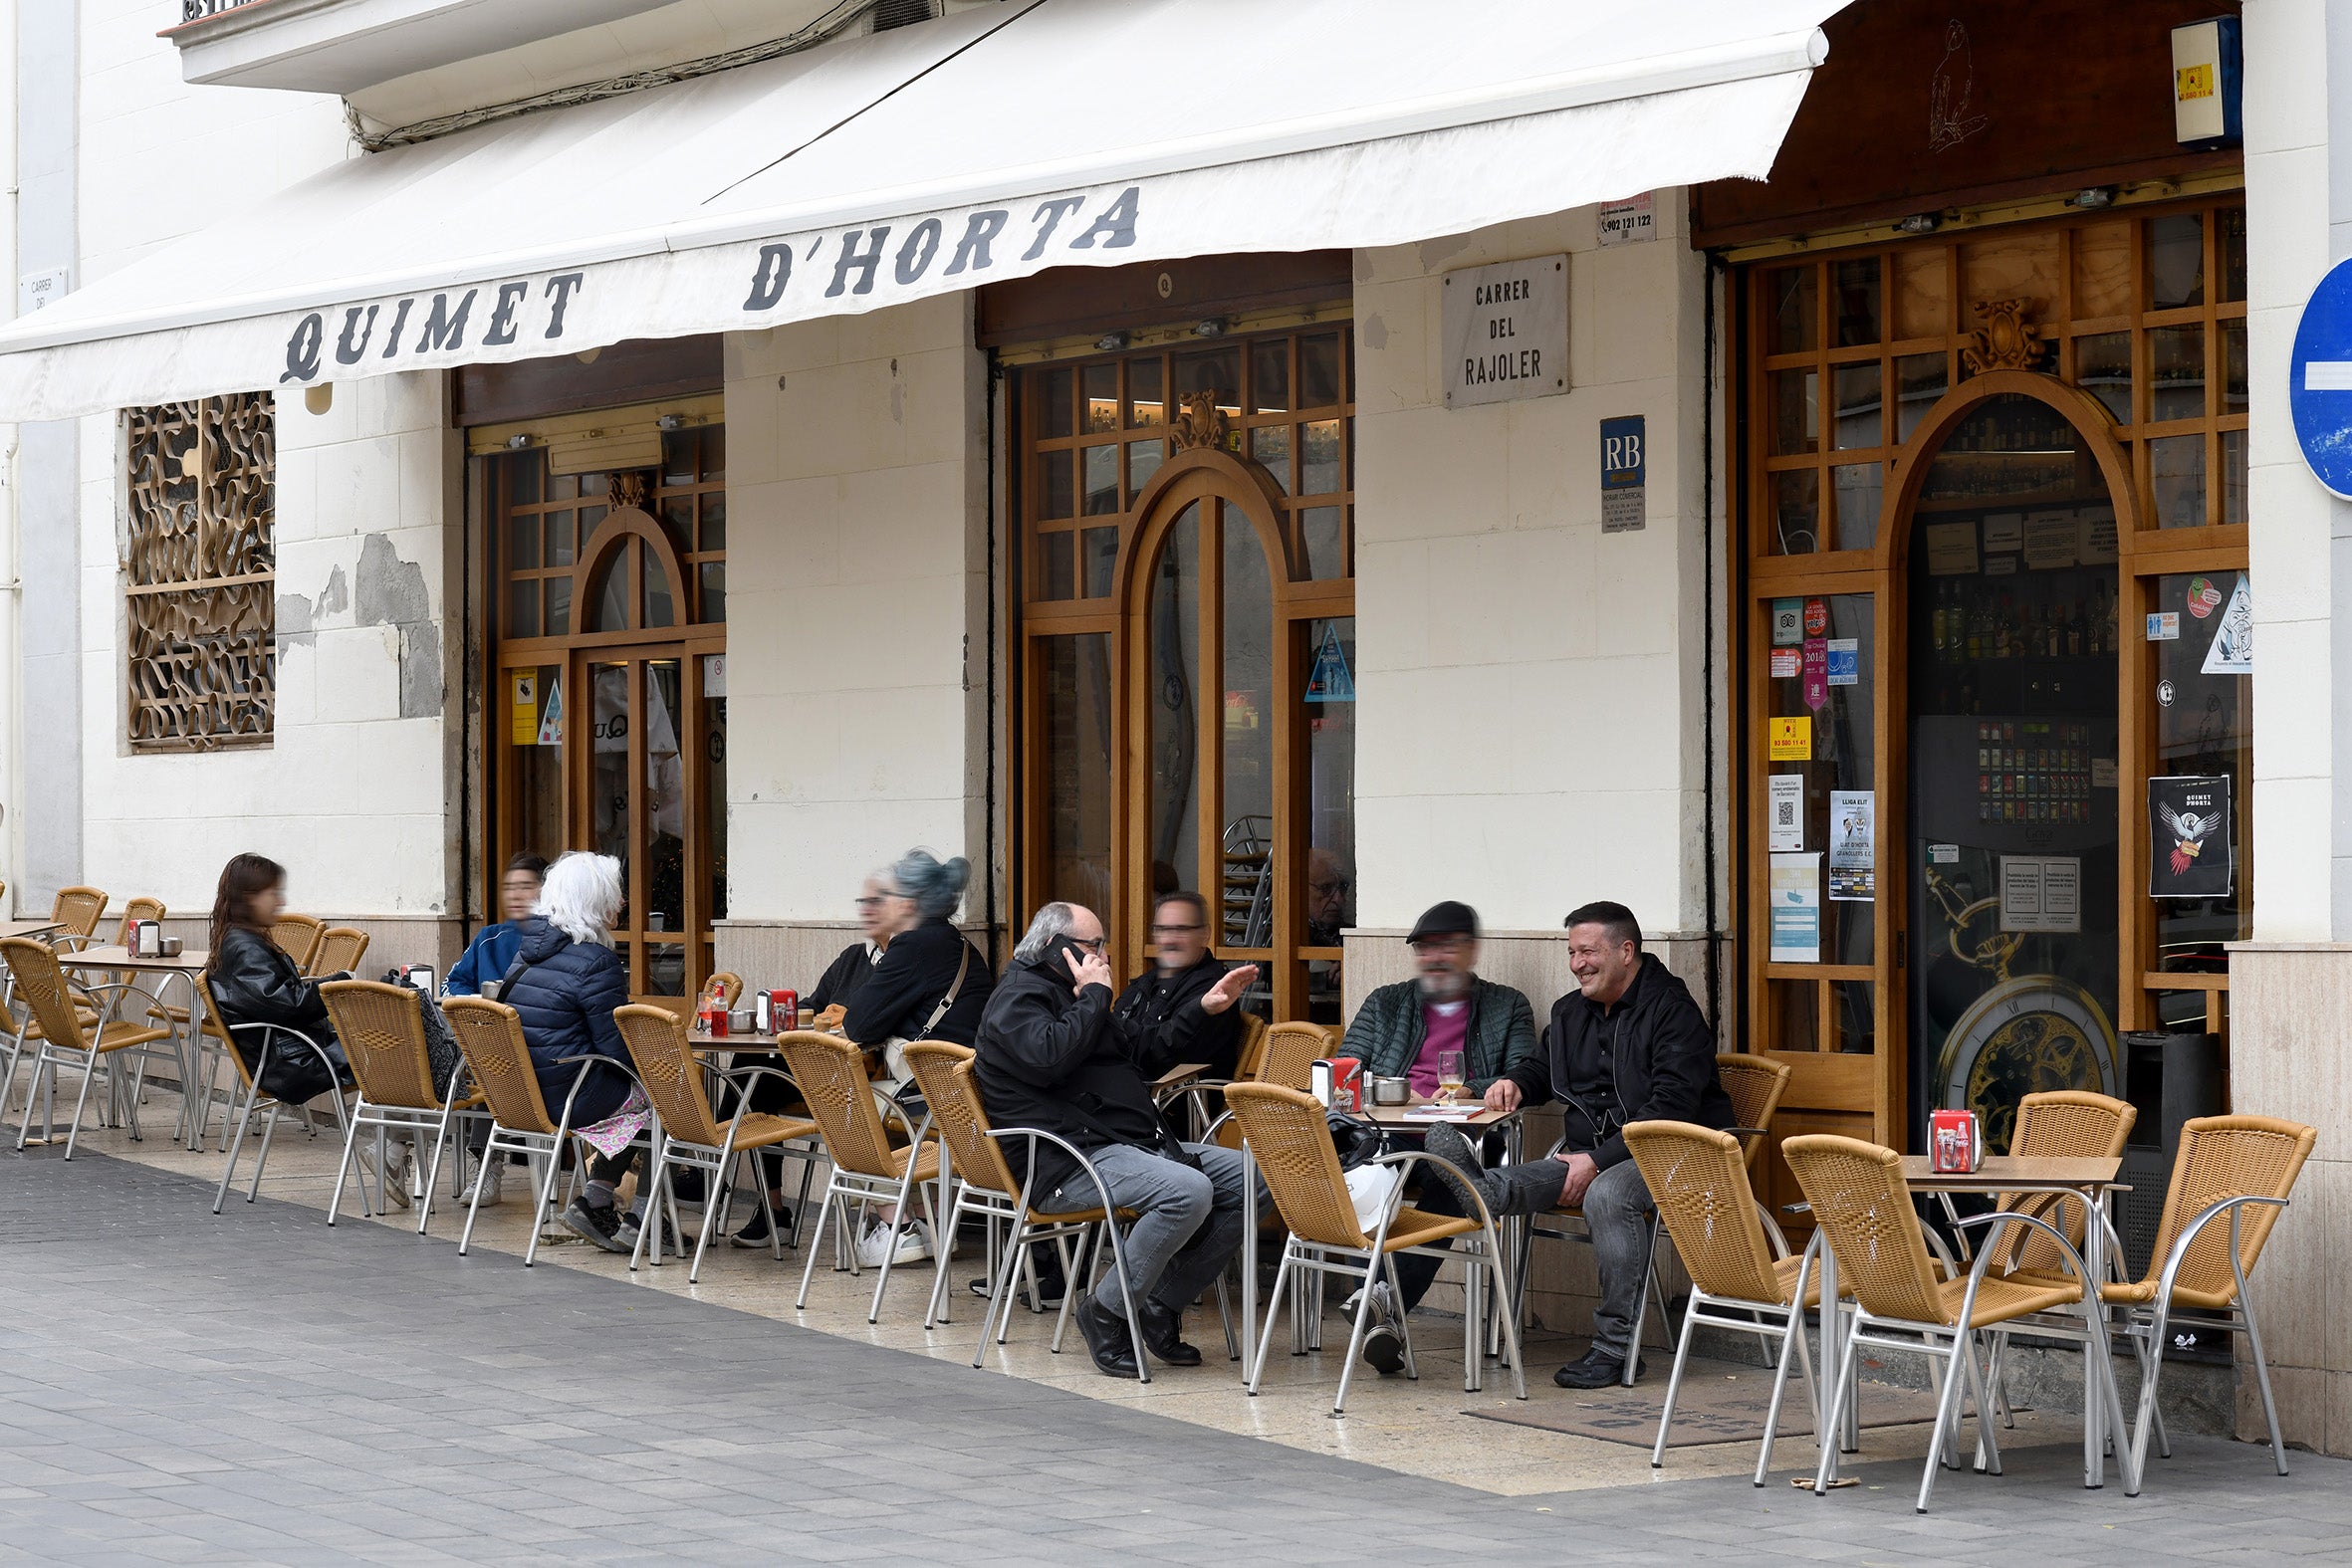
(256, 983)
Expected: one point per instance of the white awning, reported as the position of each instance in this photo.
(989, 145)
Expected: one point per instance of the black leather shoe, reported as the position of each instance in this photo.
(1596, 1369)
(1163, 1336)
(1107, 1340)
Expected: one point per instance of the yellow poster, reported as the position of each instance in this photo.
(522, 727)
(1791, 739)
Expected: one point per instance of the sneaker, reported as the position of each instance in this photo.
(1597, 1369)
(597, 1222)
(490, 1179)
(909, 1242)
(633, 1223)
(755, 1230)
(399, 1175)
(1384, 1340)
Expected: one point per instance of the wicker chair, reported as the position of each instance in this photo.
(2226, 1166)
(1755, 1084)
(56, 1021)
(1742, 1277)
(272, 1038)
(985, 1186)
(78, 911)
(339, 949)
(831, 1071)
(382, 1032)
(297, 937)
(1861, 1203)
(1291, 1048)
(498, 1059)
(1291, 1139)
(727, 982)
(690, 1132)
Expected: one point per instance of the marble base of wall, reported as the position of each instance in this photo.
(2288, 1005)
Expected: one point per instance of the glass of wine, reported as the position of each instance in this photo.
(1448, 1074)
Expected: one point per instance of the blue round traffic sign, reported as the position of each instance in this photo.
(2319, 386)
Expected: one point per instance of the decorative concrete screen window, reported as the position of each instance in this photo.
(200, 612)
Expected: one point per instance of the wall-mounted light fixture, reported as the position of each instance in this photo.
(1208, 327)
(670, 422)
(1921, 223)
(1111, 342)
(518, 443)
(2094, 197)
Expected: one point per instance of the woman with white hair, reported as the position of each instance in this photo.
(565, 982)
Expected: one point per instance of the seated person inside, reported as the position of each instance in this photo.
(253, 980)
(1402, 1031)
(1053, 1056)
(492, 951)
(1161, 1008)
(1627, 1045)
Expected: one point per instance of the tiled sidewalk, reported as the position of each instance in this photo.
(258, 1388)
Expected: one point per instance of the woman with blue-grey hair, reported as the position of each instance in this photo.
(930, 983)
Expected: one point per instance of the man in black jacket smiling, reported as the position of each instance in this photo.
(1054, 1058)
(1627, 1045)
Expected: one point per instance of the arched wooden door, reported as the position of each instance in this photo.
(1236, 738)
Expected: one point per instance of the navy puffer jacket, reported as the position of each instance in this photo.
(566, 992)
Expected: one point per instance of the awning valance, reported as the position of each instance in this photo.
(989, 145)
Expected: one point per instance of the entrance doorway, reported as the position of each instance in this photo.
(608, 732)
(2010, 854)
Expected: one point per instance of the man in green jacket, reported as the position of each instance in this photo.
(1400, 1031)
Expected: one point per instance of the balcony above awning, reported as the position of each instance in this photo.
(989, 145)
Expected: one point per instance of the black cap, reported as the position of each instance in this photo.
(1451, 918)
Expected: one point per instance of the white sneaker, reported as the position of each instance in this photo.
(911, 1239)
(399, 1174)
(490, 1179)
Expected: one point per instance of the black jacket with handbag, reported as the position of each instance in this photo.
(1063, 1063)
(918, 970)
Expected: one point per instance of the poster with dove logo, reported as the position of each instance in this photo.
(2191, 844)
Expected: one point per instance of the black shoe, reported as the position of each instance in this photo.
(1107, 1340)
(597, 1222)
(1596, 1369)
(755, 1230)
(1163, 1336)
(1050, 1288)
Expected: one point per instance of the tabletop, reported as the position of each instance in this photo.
(1398, 1116)
(1182, 1072)
(188, 962)
(2007, 1173)
(28, 928)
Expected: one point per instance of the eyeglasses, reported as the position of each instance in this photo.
(1090, 944)
(1159, 930)
(869, 900)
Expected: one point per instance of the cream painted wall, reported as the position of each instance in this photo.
(856, 604)
(1531, 708)
(357, 793)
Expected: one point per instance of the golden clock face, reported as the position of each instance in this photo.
(2025, 1037)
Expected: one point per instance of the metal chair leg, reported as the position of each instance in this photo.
(89, 1071)
(1274, 1304)
(1682, 1355)
(342, 1166)
(1355, 1334)
(1946, 1408)
(236, 1147)
(816, 1243)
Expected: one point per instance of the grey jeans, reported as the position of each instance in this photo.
(1188, 1223)
(1617, 1209)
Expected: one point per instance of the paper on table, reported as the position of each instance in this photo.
(1462, 1112)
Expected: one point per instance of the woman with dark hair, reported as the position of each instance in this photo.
(254, 982)
(493, 950)
(929, 983)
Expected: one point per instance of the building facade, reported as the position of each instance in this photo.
(1852, 570)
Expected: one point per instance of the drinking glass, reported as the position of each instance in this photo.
(1448, 1074)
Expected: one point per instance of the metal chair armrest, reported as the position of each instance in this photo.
(1030, 1170)
(1401, 1162)
(262, 1066)
(2234, 1208)
(1985, 1254)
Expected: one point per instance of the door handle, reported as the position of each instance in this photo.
(1902, 950)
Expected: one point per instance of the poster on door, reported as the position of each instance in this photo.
(1853, 846)
(2190, 848)
(1796, 908)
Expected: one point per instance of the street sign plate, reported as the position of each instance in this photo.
(2319, 386)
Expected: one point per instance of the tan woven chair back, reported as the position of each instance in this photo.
(218, 1029)
(341, 948)
(1698, 1178)
(141, 908)
(1253, 1052)
(490, 1037)
(2059, 1124)
(831, 1071)
(78, 910)
(298, 938)
(1755, 1084)
(41, 983)
(1290, 1050)
(2227, 1157)
(945, 1073)
(382, 1032)
(1291, 1142)
(728, 984)
(1861, 1201)
(656, 1041)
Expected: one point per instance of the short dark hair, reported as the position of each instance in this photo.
(1200, 905)
(1616, 919)
(525, 861)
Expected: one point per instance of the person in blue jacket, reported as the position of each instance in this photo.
(492, 951)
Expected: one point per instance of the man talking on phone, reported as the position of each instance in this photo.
(1053, 1056)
